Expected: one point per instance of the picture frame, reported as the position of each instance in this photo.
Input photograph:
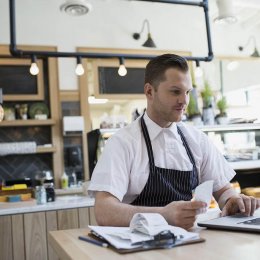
(17, 83)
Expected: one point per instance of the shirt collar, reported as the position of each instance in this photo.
(154, 130)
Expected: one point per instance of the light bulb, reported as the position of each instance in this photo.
(79, 69)
(198, 72)
(122, 70)
(232, 65)
(34, 70)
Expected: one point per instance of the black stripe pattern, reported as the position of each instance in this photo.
(166, 185)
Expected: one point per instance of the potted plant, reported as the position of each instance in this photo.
(207, 97)
(221, 118)
(193, 112)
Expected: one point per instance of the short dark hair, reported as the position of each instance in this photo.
(155, 69)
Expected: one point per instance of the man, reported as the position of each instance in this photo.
(153, 164)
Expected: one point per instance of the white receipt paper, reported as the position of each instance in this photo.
(204, 192)
(149, 224)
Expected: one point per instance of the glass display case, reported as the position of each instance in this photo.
(239, 143)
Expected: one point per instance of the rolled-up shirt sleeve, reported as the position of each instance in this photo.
(112, 171)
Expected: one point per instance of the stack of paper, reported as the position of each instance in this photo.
(143, 228)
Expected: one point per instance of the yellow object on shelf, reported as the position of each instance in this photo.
(20, 186)
(26, 196)
(15, 187)
(8, 188)
(3, 198)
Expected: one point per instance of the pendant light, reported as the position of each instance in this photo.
(225, 12)
(79, 68)
(122, 69)
(198, 70)
(34, 70)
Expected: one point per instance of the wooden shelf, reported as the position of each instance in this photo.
(28, 122)
(45, 149)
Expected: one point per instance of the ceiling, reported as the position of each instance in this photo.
(246, 11)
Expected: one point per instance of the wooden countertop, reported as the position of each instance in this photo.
(219, 245)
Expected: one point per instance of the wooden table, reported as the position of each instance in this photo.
(225, 245)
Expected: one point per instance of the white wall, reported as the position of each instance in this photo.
(111, 24)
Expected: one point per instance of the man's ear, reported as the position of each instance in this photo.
(148, 90)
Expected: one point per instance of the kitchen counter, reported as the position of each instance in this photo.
(61, 202)
(245, 164)
(69, 191)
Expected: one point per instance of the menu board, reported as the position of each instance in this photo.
(16, 80)
(111, 83)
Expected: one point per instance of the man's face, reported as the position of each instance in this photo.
(168, 103)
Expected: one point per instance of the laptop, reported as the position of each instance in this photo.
(236, 222)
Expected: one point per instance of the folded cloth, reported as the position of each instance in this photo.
(17, 148)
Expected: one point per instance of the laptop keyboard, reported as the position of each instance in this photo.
(255, 221)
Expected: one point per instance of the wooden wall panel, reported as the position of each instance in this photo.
(68, 219)
(51, 224)
(83, 217)
(35, 236)
(6, 246)
(18, 237)
(58, 160)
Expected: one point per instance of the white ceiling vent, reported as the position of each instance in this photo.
(76, 7)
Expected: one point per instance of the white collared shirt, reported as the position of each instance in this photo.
(123, 167)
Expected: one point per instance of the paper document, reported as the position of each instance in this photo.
(111, 235)
(204, 192)
(144, 227)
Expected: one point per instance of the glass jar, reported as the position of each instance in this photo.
(40, 195)
(43, 195)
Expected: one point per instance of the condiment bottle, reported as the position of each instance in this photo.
(64, 181)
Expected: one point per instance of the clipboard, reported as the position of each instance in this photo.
(97, 237)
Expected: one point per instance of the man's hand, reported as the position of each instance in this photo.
(182, 213)
(241, 204)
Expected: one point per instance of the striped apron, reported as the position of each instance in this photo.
(166, 185)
